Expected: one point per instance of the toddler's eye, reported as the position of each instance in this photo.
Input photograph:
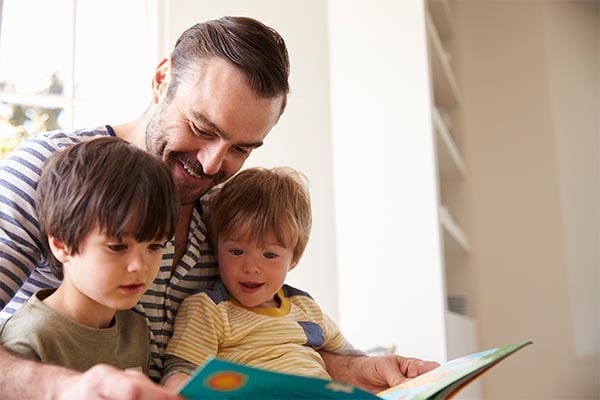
(269, 254)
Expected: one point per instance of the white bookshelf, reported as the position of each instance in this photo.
(442, 17)
(461, 329)
(445, 89)
(450, 161)
(421, 149)
(455, 240)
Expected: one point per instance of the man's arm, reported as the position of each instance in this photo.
(20, 239)
(375, 373)
(25, 379)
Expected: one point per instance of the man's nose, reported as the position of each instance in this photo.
(212, 157)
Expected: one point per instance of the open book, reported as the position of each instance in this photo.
(219, 379)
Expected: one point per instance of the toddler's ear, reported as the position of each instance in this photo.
(293, 265)
(59, 249)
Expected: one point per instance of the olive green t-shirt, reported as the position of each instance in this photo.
(39, 333)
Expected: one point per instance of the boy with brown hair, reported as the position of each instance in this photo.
(106, 209)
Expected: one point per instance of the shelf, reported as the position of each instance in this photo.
(445, 89)
(450, 162)
(454, 238)
(462, 334)
(442, 16)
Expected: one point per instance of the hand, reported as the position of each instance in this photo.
(378, 373)
(176, 381)
(106, 382)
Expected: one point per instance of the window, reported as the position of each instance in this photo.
(73, 64)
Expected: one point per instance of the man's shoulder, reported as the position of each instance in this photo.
(41, 145)
(61, 138)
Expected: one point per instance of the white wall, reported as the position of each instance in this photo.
(302, 138)
(391, 290)
(531, 145)
(572, 46)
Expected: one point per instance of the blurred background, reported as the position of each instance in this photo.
(451, 147)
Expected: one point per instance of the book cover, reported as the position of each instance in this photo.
(220, 379)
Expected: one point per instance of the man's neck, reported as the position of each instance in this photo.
(133, 132)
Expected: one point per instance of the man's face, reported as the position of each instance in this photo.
(205, 133)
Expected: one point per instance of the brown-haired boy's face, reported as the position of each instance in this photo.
(206, 132)
(106, 274)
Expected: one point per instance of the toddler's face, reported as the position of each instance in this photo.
(254, 273)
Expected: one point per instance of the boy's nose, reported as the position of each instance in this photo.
(251, 267)
(137, 263)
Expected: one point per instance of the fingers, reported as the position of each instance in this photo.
(106, 382)
(413, 367)
(395, 370)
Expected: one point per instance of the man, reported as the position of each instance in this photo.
(214, 100)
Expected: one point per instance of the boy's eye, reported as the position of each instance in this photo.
(236, 252)
(117, 247)
(269, 254)
(157, 246)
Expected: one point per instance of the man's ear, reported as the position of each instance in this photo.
(59, 249)
(160, 80)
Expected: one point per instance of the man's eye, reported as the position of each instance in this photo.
(199, 132)
(243, 151)
(269, 254)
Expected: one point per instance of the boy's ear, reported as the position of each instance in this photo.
(59, 249)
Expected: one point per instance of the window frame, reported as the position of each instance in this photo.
(67, 101)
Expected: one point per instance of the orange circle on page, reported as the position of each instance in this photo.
(227, 380)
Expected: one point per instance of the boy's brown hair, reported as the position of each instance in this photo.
(261, 202)
(104, 183)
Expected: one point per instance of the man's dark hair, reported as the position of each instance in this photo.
(104, 183)
(256, 49)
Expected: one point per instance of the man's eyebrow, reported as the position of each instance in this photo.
(198, 116)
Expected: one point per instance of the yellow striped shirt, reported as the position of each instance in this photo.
(283, 339)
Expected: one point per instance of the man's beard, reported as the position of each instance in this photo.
(190, 193)
(157, 139)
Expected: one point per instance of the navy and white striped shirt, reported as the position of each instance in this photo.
(20, 244)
